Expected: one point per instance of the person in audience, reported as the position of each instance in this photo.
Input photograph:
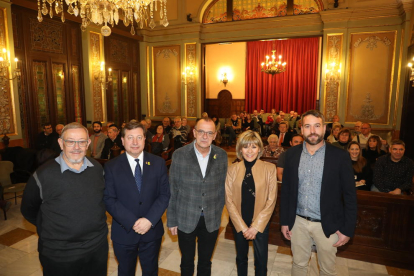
(284, 135)
(373, 150)
(293, 120)
(242, 116)
(283, 115)
(113, 138)
(269, 123)
(46, 138)
(251, 193)
(147, 133)
(44, 155)
(179, 133)
(393, 173)
(262, 121)
(97, 140)
(248, 123)
(148, 127)
(233, 127)
(59, 128)
(318, 198)
(166, 122)
(64, 200)
(275, 125)
(108, 123)
(297, 139)
(136, 201)
(362, 138)
(335, 119)
(160, 141)
(218, 139)
(298, 128)
(357, 129)
(197, 181)
(184, 123)
(362, 168)
(204, 115)
(273, 149)
(334, 137)
(344, 138)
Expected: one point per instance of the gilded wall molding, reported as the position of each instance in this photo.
(190, 61)
(95, 50)
(332, 79)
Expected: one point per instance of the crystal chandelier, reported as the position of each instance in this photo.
(273, 66)
(108, 12)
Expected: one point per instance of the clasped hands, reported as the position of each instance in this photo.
(142, 226)
(250, 233)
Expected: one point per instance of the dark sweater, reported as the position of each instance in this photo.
(248, 200)
(365, 174)
(68, 210)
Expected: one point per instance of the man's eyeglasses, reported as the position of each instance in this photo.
(202, 133)
(71, 143)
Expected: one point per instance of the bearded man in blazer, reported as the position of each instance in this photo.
(136, 195)
(197, 178)
(318, 198)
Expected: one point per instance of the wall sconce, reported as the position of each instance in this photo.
(5, 64)
(412, 72)
(188, 75)
(224, 79)
(101, 76)
(333, 73)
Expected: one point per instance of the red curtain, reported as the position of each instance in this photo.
(295, 89)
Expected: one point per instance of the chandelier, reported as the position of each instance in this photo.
(273, 66)
(108, 12)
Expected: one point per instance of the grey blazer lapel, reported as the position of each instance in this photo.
(194, 160)
(210, 160)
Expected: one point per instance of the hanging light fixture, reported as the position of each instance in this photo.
(273, 66)
(108, 12)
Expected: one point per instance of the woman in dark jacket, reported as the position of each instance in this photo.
(362, 168)
(373, 150)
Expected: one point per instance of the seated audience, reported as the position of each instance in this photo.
(248, 123)
(59, 128)
(113, 138)
(150, 132)
(269, 123)
(297, 139)
(344, 139)
(97, 140)
(283, 115)
(204, 115)
(218, 139)
(108, 123)
(275, 126)
(166, 122)
(362, 138)
(293, 118)
(284, 135)
(357, 129)
(46, 139)
(233, 127)
(362, 168)
(184, 123)
(160, 141)
(273, 149)
(298, 128)
(373, 150)
(334, 137)
(393, 173)
(242, 116)
(335, 119)
(179, 133)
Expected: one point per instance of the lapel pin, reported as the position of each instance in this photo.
(148, 163)
(215, 156)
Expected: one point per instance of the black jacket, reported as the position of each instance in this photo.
(338, 194)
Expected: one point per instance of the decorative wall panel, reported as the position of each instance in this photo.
(115, 96)
(136, 95)
(76, 92)
(370, 77)
(167, 80)
(59, 91)
(7, 124)
(216, 12)
(125, 93)
(95, 44)
(118, 51)
(46, 36)
(40, 93)
(332, 81)
(252, 9)
(190, 60)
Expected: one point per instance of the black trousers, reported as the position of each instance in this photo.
(93, 263)
(206, 244)
(127, 257)
(232, 135)
(260, 246)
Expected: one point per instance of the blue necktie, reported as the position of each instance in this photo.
(138, 175)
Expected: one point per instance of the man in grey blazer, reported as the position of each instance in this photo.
(197, 177)
(97, 140)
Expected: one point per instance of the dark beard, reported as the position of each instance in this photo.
(320, 138)
(97, 131)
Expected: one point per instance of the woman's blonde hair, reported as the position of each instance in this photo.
(246, 138)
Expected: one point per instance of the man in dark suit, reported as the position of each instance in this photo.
(318, 198)
(284, 135)
(113, 138)
(136, 195)
(197, 176)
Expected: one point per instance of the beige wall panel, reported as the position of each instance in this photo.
(229, 58)
(167, 80)
(95, 50)
(370, 75)
(191, 80)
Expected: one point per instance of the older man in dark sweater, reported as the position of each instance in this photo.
(64, 200)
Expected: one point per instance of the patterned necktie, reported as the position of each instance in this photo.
(138, 175)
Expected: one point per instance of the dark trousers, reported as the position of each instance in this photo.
(127, 254)
(93, 263)
(206, 244)
(260, 246)
(232, 134)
